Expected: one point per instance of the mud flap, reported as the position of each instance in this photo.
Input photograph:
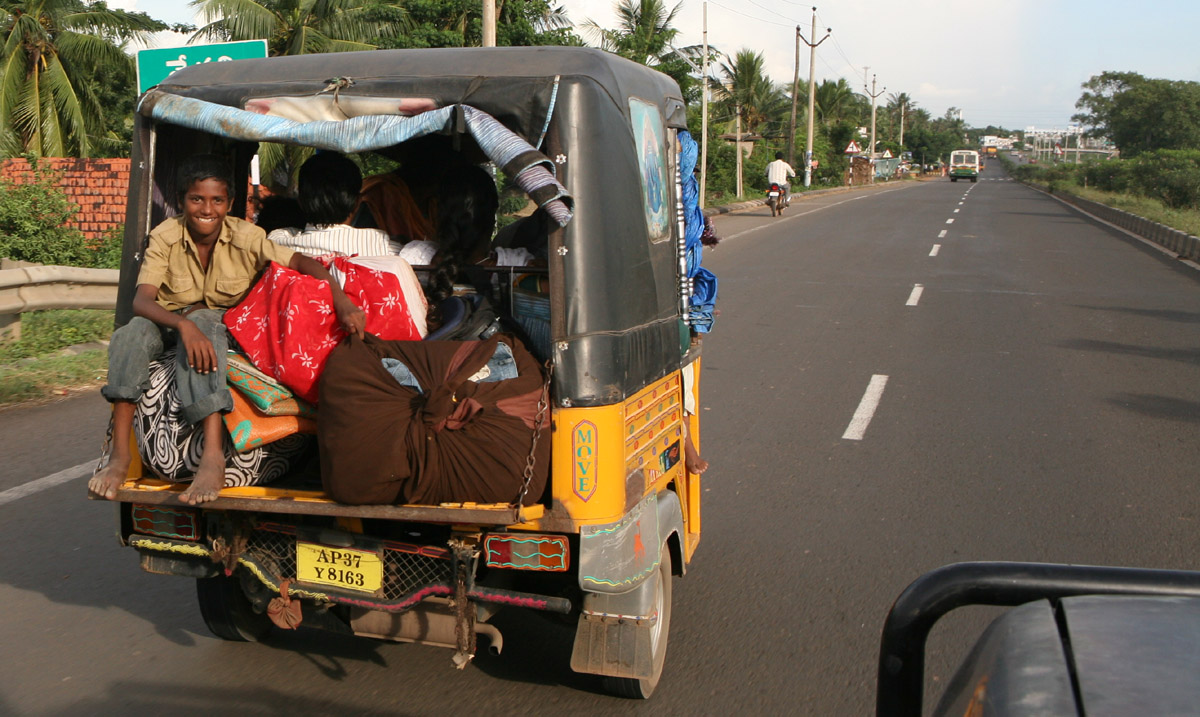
(614, 633)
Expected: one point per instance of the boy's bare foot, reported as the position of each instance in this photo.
(105, 483)
(692, 460)
(208, 482)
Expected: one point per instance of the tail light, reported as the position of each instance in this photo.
(165, 522)
(525, 551)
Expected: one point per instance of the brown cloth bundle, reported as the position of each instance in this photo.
(459, 441)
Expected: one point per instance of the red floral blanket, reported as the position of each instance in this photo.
(287, 326)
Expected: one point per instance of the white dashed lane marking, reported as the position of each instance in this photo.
(866, 409)
(915, 296)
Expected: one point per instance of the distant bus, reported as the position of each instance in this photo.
(964, 164)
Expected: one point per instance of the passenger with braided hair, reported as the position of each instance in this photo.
(466, 217)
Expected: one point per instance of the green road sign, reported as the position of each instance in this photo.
(154, 66)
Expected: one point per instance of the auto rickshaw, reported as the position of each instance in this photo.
(620, 515)
(1079, 640)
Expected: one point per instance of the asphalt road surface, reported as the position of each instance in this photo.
(900, 378)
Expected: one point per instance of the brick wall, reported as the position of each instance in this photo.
(97, 186)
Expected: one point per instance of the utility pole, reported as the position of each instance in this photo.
(812, 92)
(489, 23)
(704, 113)
(903, 107)
(795, 91)
(738, 147)
(873, 94)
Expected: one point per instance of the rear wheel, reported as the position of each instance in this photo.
(227, 612)
(772, 203)
(642, 688)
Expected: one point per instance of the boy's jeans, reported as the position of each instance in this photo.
(136, 344)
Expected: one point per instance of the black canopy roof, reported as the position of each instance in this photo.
(514, 84)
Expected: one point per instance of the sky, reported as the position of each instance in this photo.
(1013, 64)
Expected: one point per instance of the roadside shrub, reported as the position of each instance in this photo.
(34, 224)
(1171, 176)
(1028, 173)
(33, 220)
(106, 253)
(1109, 176)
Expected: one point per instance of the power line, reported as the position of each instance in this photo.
(838, 46)
(751, 17)
(767, 8)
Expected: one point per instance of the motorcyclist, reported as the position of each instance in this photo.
(778, 173)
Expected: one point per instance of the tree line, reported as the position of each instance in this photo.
(66, 85)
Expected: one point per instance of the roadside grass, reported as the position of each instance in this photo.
(33, 367)
(44, 332)
(1185, 220)
(44, 377)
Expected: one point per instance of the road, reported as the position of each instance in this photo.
(1041, 403)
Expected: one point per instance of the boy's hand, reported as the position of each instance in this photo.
(202, 357)
(352, 319)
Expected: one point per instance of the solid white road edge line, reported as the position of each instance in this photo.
(934, 250)
(915, 296)
(866, 409)
(41, 484)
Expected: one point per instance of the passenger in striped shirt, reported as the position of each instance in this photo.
(329, 190)
(329, 187)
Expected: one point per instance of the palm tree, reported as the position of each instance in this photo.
(836, 101)
(301, 27)
(549, 18)
(52, 53)
(643, 33)
(899, 106)
(746, 86)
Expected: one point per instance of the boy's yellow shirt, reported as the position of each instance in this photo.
(172, 264)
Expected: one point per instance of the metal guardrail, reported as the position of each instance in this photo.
(32, 287)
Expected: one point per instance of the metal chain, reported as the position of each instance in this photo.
(538, 420)
(464, 619)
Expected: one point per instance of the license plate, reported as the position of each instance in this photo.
(774, 194)
(346, 568)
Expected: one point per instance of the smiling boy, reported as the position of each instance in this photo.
(196, 266)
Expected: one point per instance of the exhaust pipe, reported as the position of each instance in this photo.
(432, 623)
(495, 639)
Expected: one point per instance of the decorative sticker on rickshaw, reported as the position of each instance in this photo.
(583, 464)
(648, 135)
